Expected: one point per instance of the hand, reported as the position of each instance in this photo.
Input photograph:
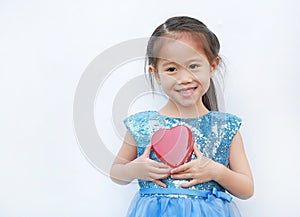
(145, 168)
(200, 170)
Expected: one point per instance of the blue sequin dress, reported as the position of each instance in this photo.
(213, 133)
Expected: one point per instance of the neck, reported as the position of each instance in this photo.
(174, 110)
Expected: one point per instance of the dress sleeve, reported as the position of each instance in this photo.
(130, 123)
(233, 124)
(138, 127)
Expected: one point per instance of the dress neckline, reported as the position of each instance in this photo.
(202, 116)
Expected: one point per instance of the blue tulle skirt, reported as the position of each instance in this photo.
(180, 204)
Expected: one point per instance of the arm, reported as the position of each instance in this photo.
(127, 167)
(119, 171)
(237, 180)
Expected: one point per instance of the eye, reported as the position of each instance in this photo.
(171, 69)
(194, 66)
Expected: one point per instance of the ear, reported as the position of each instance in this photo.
(155, 73)
(214, 66)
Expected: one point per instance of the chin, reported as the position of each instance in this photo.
(188, 105)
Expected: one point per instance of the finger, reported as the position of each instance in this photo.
(164, 176)
(157, 176)
(204, 162)
(147, 151)
(160, 165)
(181, 168)
(162, 171)
(160, 183)
(189, 184)
(182, 176)
(197, 152)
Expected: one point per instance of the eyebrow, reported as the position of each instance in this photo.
(167, 62)
(195, 60)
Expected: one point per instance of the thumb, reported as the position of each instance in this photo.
(147, 151)
(197, 152)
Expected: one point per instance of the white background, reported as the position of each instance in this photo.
(46, 45)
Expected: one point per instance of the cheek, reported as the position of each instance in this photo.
(166, 80)
(202, 77)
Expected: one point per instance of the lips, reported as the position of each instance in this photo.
(185, 92)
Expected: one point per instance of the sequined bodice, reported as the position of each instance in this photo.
(213, 133)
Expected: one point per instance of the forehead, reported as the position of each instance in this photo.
(180, 49)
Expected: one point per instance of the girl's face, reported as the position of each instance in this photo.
(183, 71)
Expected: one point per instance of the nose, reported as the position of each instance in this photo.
(184, 76)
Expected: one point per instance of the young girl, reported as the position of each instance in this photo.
(182, 56)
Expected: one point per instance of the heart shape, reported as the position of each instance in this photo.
(173, 146)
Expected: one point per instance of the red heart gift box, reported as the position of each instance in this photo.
(173, 146)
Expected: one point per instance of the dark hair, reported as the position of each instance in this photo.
(207, 39)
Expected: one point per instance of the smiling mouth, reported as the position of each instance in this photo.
(186, 92)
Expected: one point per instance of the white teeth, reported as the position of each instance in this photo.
(188, 92)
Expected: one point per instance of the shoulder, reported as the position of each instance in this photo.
(230, 123)
(140, 121)
(226, 118)
(140, 116)
(138, 125)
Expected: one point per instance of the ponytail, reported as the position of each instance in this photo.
(209, 99)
